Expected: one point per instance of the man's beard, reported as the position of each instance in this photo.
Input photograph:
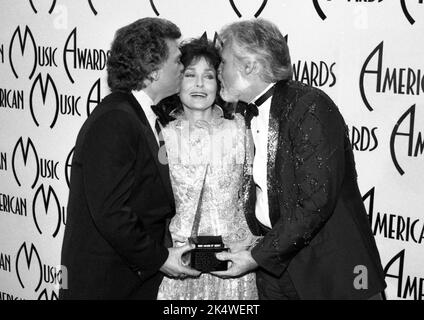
(229, 95)
(232, 94)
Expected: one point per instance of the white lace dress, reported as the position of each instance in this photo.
(219, 147)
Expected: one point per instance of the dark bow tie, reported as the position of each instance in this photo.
(251, 110)
(163, 116)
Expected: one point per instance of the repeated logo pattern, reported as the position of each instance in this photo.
(403, 5)
(52, 81)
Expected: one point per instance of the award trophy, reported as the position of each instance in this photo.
(202, 257)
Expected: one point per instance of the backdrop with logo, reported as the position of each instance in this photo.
(367, 55)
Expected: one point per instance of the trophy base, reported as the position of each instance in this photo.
(205, 260)
(202, 257)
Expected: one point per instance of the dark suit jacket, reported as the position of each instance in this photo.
(320, 230)
(119, 203)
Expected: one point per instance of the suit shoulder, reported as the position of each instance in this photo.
(303, 90)
(115, 107)
(309, 102)
(305, 96)
(114, 101)
(111, 115)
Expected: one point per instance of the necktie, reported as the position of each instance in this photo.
(159, 132)
(161, 116)
(251, 110)
(162, 154)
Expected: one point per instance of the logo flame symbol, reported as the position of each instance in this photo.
(25, 152)
(28, 259)
(22, 44)
(35, 10)
(257, 14)
(319, 10)
(46, 202)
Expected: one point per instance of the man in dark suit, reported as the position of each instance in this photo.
(302, 193)
(116, 243)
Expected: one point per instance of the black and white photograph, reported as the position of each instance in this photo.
(233, 151)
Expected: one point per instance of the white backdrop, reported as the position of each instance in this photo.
(367, 55)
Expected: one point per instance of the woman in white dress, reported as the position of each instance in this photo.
(206, 149)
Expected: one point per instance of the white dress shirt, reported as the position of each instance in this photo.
(259, 127)
(146, 102)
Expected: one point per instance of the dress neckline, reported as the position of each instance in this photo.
(217, 118)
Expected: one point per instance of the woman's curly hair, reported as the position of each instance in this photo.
(194, 49)
(137, 50)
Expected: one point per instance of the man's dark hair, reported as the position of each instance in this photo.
(137, 50)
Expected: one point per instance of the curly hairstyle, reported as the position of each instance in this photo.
(137, 50)
(191, 51)
(195, 49)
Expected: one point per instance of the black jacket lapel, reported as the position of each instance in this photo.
(153, 146)
(248, 189)
(278, 106)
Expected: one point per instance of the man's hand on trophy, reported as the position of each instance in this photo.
(174, 265)
(241, 263)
